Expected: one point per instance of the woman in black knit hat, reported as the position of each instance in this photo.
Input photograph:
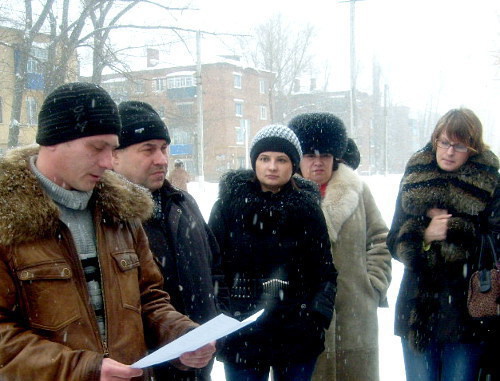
(357, 236)
(448, 197)
(275, 255)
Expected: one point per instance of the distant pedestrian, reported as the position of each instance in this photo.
(179, 177)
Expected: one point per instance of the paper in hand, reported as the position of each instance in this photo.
(214, 329)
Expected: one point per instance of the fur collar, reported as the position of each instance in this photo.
(27, 214)
(342, 197)
(241, 183)
(466, 191)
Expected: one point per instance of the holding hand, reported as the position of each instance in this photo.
(438, 227)
(200, 357)
(114, 370)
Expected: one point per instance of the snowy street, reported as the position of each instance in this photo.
(384, 189)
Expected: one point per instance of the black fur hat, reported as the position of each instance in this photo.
(320, 132)
(351, 155)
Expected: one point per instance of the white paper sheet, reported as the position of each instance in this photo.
(214, 329)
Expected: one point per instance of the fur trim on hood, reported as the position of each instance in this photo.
(27, 214)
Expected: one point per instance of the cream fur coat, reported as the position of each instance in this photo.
(357, 233)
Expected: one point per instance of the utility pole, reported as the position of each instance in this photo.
(353, 71)
(199, 97)
(352, 68)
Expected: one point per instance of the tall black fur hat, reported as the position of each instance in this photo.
(76, 110)
(140, 122)
(320, 132)
(352, 156)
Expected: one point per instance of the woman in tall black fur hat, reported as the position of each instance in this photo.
(275, 255)
(357, 235)
(448, 197)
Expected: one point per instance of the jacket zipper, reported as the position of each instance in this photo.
(81, 279)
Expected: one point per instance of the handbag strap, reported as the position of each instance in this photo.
(487, 244)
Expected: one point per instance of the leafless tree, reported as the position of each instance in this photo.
(285, 51)
(66, 30)
(32, 26)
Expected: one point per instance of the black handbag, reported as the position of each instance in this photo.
(483, 299)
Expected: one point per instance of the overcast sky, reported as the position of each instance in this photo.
(439, 51)
(434, 54)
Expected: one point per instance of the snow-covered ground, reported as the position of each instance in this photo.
(384, 189)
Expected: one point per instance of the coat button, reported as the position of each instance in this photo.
(25, 275)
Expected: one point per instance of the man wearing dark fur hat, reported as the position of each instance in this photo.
(178, 235)
(80, 293)
(357, 235)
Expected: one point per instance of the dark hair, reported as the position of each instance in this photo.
(462, 125)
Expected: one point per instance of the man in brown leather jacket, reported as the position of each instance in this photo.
(80, 293)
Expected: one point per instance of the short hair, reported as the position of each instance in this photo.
(462, 125)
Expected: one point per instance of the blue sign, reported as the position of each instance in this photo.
(181, 149)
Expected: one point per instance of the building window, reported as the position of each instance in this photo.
(140, 86)
(263, 113)
(161, 111)
(262, 86)
(1, 110)
(181, 137)
(160, 84)
(237, 80)
(181, 81)
(38, 56)
(241, 132)
(185, 109)
(238, 106)
(31, 110)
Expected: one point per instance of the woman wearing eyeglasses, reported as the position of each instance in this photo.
(448, 195)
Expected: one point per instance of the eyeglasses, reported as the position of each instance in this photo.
(456, 146)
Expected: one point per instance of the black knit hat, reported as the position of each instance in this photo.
(276, 138)
(351, 155)
(76, 110)
(140, 122)
(320, 132)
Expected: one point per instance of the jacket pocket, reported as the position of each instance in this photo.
(50, 295)
(128, 279)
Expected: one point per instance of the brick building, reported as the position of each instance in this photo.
(235, 105)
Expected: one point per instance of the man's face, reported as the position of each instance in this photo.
(80, 163)
(144, 163)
